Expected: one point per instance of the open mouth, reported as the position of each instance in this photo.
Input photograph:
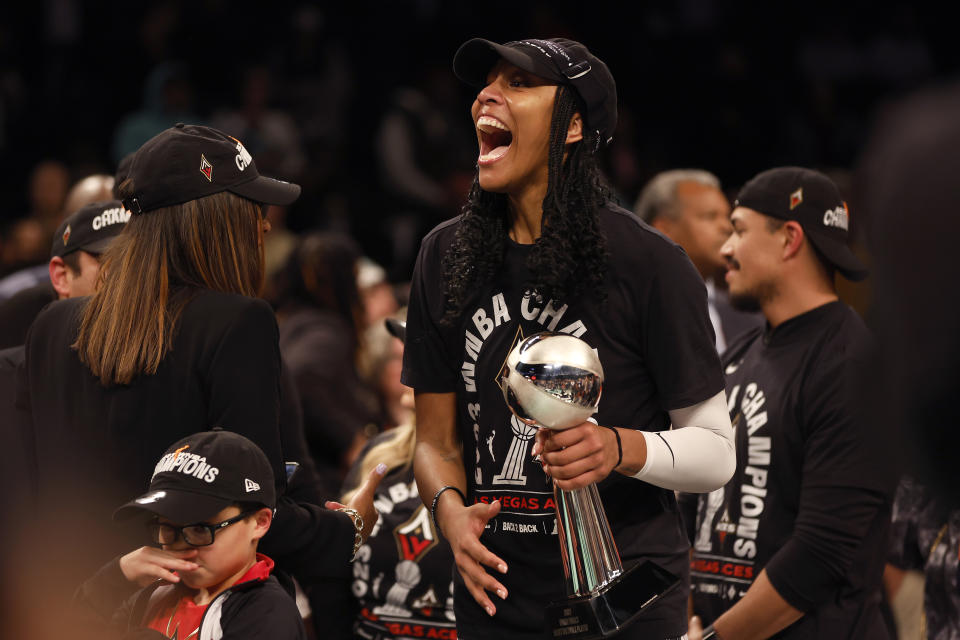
(495, 139)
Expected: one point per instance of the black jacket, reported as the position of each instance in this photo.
(259, 608)
(95, 447)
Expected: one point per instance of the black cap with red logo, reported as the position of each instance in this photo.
(813, 200)
(91, 228)
(187, 162)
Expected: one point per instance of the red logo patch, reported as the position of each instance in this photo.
(796, 198)
(66, 235)
(416, 536)
(206, 168)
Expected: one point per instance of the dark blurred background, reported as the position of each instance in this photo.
(356, 101)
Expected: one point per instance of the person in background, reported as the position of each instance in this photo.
(376, 292)
(321, 321)
(793, 546)
(23, 262)
(74, 266)
(380, 364)
(402, 579)
(95, 187)
(690, 208)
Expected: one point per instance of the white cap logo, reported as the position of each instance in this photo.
(151, 497)
(250, 485)
(243, 157)
(837, 217)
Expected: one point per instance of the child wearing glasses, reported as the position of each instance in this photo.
(211, 499)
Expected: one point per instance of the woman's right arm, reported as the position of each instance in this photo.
(438, 462)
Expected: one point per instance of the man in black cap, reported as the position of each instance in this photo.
(541, 247)
(74, 265)
(794, 544)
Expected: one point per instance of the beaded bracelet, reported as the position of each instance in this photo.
(358, 526)
(619, 445)
(436, 501)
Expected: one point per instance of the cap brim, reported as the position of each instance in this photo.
(268, 191)
(840, 255)
(181, 507)
(98, 246)
(474, 59)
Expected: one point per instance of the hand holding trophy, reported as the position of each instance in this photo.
(554, 381)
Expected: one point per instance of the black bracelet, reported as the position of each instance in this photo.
(436, 501)
(619, 446)
(710, 632)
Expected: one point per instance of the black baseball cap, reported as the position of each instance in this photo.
(813, 200)
(186, 162)
(556, 59)
(91, 228)
(203, 474)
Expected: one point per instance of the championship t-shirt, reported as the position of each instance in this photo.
(810, 499)
(401, 575)
(656, 344)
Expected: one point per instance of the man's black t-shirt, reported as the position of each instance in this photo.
(810, 500)
(655, 341)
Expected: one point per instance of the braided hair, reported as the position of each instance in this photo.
(569, 258)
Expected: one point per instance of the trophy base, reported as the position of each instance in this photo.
(613, 607)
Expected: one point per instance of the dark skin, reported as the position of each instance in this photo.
(521, 103)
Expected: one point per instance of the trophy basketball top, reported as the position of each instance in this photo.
(552, 380)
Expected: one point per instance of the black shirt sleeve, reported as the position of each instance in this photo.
(244, 403)
(103, 600)
(426, 364)
(679, 341)
(844, 496)
(307, 540)
(303, 486)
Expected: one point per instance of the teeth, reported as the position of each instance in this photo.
(487, 121)
(496, 154)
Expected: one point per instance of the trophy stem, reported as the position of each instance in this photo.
(590, 557)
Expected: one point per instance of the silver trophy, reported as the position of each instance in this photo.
(554, 381)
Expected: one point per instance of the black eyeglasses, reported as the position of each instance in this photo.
(195, 535)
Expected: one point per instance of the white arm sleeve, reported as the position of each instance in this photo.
(698, 454)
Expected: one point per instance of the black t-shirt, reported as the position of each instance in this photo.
(18, 312)
(810, 500)
(402, 575)
(95, 447)
(655, 341)
(401, 585)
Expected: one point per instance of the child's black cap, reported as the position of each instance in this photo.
(203, 474)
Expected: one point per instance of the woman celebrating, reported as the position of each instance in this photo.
(540, 247)
(173, 342)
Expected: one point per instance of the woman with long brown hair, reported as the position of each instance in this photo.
(173, 342)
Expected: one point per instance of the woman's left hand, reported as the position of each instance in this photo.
(578, 456)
